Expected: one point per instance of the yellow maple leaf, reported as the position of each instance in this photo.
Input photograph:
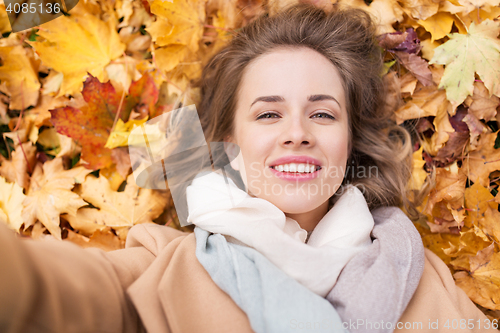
(482, 104)
(482, 161)
(483, 210)
(76, 45)
(120, 134)
(418, 175)
(385, 12)
(11, 199)
(471, 5)
(20, 75)
(4, 20)
(103, 239)
(437, 242)
(180, 22)
(168, 57)
(16, 169)
(50, 195)
(482, 284)
(476, 52)
(116, 209)
(420, 9)
(450, 187)
(438, 25)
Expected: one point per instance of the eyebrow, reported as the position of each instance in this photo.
(312, 98)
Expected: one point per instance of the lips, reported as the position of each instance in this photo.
(296, 159)
(296, 168)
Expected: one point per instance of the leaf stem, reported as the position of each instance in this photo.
(463, 23)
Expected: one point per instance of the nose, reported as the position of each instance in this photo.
(296, 134)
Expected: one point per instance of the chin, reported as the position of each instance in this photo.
(297, 205)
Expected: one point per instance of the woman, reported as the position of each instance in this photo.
(300, 95)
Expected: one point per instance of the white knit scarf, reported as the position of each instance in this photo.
(221, 207)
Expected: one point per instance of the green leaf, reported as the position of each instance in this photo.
(478, 51)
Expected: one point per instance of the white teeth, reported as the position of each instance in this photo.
(297, 168)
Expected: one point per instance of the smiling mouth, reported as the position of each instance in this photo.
(296, 168)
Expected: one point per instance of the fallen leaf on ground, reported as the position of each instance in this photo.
(50, 195)
(90, 46)
(20, 75)
(11, 204)
(476, 52)
(116, 209)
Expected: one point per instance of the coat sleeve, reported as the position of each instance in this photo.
(56, 286)
(439, 305)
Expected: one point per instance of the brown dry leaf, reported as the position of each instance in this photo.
(121, 158)
(116, 209)
(469, 246)
(41, 111)
(408, 83)
(50, 195)
(103, 239)
(458, 138)
(476, 128)
(482, 258)
(17, 169)
(443, 129)
(417, 66)
(483, 210)
(11, 204)
(437, 243)
(426, 101)
(450, 187)
(178, 23)
(482, 284)
(420, 9)
(471, 5)
(483, 161)
(19, 72)
(489, 223)
(275, 6)
(385, 12)
(481, 103)
(478, 199)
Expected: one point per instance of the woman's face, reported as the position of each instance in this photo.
(291, 125)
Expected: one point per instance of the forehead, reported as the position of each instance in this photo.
(290, 72)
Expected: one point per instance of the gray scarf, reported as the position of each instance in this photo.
(376, 285)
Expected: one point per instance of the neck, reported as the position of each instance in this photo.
(309, 220)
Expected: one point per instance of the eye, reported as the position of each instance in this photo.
(268, 115)
(323, 115)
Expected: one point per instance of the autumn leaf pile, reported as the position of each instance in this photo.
(72, 89)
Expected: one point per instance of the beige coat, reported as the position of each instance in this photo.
(157, 284)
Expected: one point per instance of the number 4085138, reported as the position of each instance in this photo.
(49, 8)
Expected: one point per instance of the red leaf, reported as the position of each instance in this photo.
(142, 98)
(90, 126)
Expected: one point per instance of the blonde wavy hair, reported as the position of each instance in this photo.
(347, 38)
